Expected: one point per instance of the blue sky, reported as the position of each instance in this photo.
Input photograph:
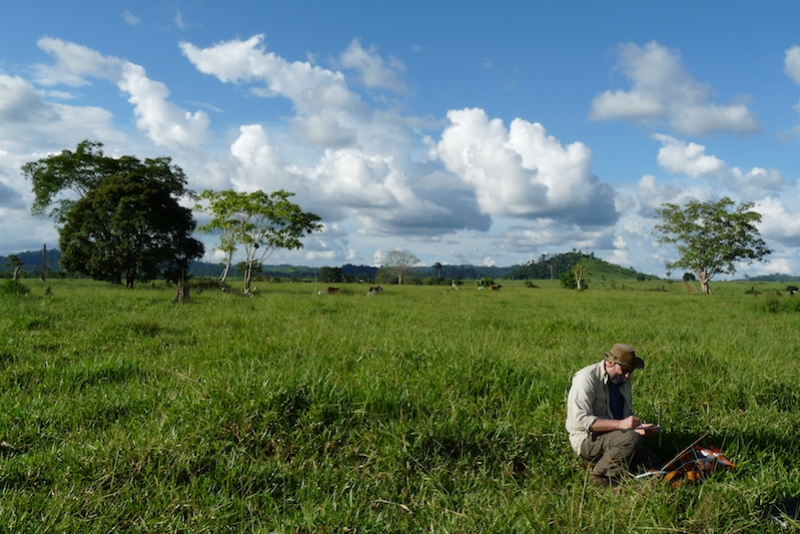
(464, 132)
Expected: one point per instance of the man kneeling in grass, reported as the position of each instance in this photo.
(600, 420)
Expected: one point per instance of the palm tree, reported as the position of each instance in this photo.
(438, 267)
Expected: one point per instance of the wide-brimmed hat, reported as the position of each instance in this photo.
(624, 355)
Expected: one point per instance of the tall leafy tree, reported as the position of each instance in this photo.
(129, 226)
(258, 222)
(59, 180)
(711, 236)
(119, 217)
(438, 267)
(225, 208)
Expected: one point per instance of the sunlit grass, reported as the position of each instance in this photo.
(422, 409)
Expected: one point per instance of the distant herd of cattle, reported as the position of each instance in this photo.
(377, 290)
(333, 290)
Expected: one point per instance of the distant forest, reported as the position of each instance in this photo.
(550, 267)
(32, 267)
(546, 267)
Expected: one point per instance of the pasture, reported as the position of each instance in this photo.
(422, 409)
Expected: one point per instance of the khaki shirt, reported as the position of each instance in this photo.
(588, 402)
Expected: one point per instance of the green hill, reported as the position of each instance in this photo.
(552, 267)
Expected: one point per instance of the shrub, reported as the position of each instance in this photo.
(15, 287)
(776, 305)
(568, 280)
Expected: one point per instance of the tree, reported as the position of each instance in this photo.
(16, 263)
(711, 236)
(438, 267)
(129, 225)
(331, 275)
(256, 268)
(126, 219)
(579, 270)
(258, 222)
(399, 263)
(568, 280)
(83, 170)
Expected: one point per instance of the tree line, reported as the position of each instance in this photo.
(126, 219)
(549, 266)
(30, 265)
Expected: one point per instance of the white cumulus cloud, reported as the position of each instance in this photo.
(679, 157)
(662, 90)
(166, 123)
(650, 195)
(522, 172)
(374, 71)
(778, 222)
(791, 63)
(28, 122)
(74, 63)
(311, 89)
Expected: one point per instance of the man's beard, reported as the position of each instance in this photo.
(619, 380)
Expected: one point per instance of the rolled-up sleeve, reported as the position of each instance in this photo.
(580, 414)
(583, 400)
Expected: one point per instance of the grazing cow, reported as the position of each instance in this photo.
(332, 290)
(495, 287)
(792, 292)
(375, 290)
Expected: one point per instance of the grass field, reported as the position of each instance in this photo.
(418, 410)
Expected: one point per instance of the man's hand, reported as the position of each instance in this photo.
(607, 425)
(629, 423)
(647, 429)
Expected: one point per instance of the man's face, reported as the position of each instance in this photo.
(617, 373)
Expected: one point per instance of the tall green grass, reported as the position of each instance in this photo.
(418, 410)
